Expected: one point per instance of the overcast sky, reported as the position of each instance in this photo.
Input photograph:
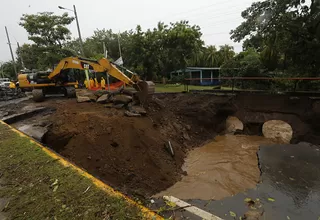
(215, 17)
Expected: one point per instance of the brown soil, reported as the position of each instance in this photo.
(129, 153)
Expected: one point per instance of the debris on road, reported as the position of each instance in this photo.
(119, 99)
(9, 94)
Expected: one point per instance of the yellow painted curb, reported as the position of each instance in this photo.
(108, 189)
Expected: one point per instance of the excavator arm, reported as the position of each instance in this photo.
(144, 88)
(102, 65)
(112, 70)
(75, 63)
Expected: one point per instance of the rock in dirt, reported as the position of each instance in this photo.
(122, 99)
(109, 105)
(129, 92)
(92, 97)
(233, 124)
(159, 102)
(186, 136)
(131, 114)
(252, 215)
(82, 99)
(277, 129)
(109, 130)
(118, 106)
(103, 99)
(138, 110)
(86, 93)
(100, 93)
(177, 126)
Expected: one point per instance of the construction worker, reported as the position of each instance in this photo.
(12, 85)
(76, 85)
(91, 83)
(103, 83)
(96, 83)
(86, 83)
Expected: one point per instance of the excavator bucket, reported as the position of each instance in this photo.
(145, 89)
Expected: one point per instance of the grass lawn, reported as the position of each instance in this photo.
(40, 187)
(181, 88)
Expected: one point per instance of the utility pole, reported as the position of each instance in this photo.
(80, 38)
(105, 52)
(19, 49)
(78, 26)
(119, 45)
(12, 56)
(105, 55)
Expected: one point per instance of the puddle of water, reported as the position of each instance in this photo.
(289, 188)
(224, 167)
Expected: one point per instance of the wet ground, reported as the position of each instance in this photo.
(219, 169)
(289, 188)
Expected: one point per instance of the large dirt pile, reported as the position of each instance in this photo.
(127, 153)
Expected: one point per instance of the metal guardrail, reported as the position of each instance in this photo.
(232, 82)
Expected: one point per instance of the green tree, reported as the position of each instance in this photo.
(226, 53)
(151, 53)
(49, 34)
(245, 64)
(212, 57)
(7, 70)
(284, 32)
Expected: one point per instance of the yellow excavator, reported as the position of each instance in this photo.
(59, 80)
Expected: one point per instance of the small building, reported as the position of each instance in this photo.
(199, 75)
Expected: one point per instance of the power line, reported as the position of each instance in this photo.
(221, 33)
(216, 24)
(197, 9)
(222, 15)
(236, 11)
(174, 16)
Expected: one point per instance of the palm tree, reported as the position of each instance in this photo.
(211, 56)
(226, 53)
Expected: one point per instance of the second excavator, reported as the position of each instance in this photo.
(58, 81)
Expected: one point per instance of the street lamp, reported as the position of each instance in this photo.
(76, 16)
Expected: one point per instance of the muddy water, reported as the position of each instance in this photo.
(224, 167)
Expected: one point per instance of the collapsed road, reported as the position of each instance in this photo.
(129, 152)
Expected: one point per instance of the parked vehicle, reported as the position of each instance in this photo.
(4, 82)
